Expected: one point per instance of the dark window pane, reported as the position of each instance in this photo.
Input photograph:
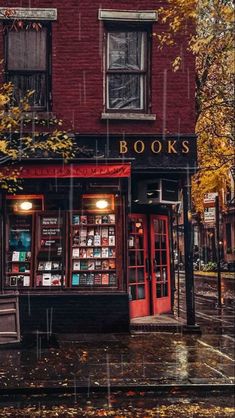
(124, 91)
(159, 290)
(158, 274)
(125, 50)
(163, 257)
(133, 292)
(163, 241)
(27, 50)
(165, 290)
(140, 292)
(140, 275)
(23, 83)
(157, 241)
(140, 242)
(164, 274)
(132, 278)
(140, 258)
(132, 258)
(157, 258)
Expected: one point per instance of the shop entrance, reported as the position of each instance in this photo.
(148, 265)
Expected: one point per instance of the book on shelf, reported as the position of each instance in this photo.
(111, 230)
(98, 264)
(15, 268)
(48, 265)
(90, 279)
(97, 240)
(105, 219)
(105, 278)
(112, 264)
(112, 252)
(83, 219)
(111, 218)
(98, 219)
(46, 279)
(83, 232)
(28, 256)
(22, 256)
(76, 265)
(90, 219)
(50, 221)
(75, 219)
(83, 278)
(104, 241)
(90, 252)
(24, 268)
(105, 265)
(41, 265)
(97, 279)
(55, 280)
(75, 279)
(76, 253)
(90, 241)
(13, 280)
(111, 240)
(84, 265)
(56, 265)
(105, 232)
(26, 281)
(113, 279)
(83, 253)
(104, 252)
(91, 265)
(15, 256)
(82, 241)
(91, 232)
(97, 252)
(76, 241)
(20, 281)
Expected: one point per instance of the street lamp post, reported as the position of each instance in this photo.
(218, 248)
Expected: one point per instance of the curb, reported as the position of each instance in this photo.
(157, 389)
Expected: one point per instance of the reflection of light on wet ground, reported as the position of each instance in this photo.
(181, 354)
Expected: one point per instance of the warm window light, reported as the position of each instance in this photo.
(102, 204)
(26, 205)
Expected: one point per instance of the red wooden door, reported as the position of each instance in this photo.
(160, 264)
(137, 260)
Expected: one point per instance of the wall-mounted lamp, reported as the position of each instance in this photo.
(102, 204)
(26, 205)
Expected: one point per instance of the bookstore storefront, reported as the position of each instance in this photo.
(69, 241)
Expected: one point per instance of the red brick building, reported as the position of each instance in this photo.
(89, 242)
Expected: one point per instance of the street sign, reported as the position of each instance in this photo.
(209, 215)
(210, 198)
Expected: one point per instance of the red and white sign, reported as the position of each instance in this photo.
(210, 198)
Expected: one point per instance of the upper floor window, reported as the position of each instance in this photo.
(126, 70)
(27, 63)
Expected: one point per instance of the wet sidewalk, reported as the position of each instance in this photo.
(95, 361)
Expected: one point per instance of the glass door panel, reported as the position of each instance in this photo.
(138, 277)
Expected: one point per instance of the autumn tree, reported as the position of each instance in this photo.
(212, 43)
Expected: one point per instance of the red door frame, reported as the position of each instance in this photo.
(161, 304)
(139, 307)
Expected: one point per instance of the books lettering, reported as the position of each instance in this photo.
(111, 230)
(105, 232)
(15, 256)
(98, 264)
(26, 281)
(97, 252)
(111, 253)
(90, 219)
(55, 280)
(51, 231)
(90, 253)
(83, 219)
(105, 265)
(48, 265)
(13, 280)
(83, 253)
(84, 265)
(97, 240)
(50, 221)
(111, 219)
(112, 279)
(98, 219)
(15, 268)
(97, 280)
(112, 264)
(104, 252)
(90, 279)
(91, 265)
(105, 241)
(105, 219)
(90, 241)
(83, 279)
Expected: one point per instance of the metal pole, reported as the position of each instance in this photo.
(188, 254)
(178, 265)
(217, 223)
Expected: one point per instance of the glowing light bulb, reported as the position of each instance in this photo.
(101, 204)
(26, 205)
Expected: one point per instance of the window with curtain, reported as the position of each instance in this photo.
(27, 65)
(126, 70)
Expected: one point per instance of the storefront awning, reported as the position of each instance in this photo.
(72, 170)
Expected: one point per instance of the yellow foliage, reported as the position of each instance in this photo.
(211, 41)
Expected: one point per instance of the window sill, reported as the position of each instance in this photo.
(128, 116)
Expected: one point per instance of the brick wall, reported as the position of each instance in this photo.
(77, 74)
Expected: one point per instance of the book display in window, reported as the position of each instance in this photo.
(19, 251)
(93, 250)
(49, 260)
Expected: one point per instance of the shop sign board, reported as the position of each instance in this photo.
(209, 215)
(209, 198)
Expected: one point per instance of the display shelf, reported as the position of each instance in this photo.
(93, 243)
